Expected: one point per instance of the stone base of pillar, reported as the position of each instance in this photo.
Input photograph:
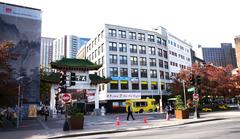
(97, 112)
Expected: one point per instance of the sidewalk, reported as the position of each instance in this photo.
(106, 124)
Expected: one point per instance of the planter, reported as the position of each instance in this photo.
(182, 114)
(75, 122)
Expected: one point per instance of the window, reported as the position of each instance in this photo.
(122, 33)
(99, 51)
(122, 47)
(152, 50)
(167, 75)
(152, 61)
(164, 42)
(135, 86)
(123, 72)
(132, 35)
(142, 49)
(124, 85)
(165, 64)
(113, 72)
(95, 53)
(134, 60)
(165, 54)
(160, 52)
(143, 73)
(141, 36)
(123, 59)
(112, 46)
(161, 74)
(144, 85)
(153, 73)
(113, 59)
(150, 38)
(102, 47)
(154, 85)
(114, 85)
(134, 72)
(103, 60)
(133, 48)
(92, 55)
(112, 32)
(143, 61)
(159, 40)
(102, 34)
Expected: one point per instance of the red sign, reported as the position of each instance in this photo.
(195, 97)
(66, 97)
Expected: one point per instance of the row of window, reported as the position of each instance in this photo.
(94, 41)
(122, 47)
(124, 85)
(179, 55)
(134, 73)
(137, 36)
(177, 45)
(113, 59)
(96, 53)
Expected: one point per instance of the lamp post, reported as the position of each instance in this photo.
(184, 93)
(19, 95)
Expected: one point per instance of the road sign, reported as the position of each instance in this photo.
(192, 89)
(66, 97)
(195, 97)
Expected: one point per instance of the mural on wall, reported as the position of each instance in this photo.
(22, 26)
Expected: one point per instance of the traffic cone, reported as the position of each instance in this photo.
(118, 121)
(145, 120)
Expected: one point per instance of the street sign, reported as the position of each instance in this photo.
(66, 97)
(195, 97)
(192, 89)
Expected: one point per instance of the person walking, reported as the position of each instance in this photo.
(46, 113)
(130, 112)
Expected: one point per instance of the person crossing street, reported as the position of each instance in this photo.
(130, 112)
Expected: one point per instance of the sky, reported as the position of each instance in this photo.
(204, 22)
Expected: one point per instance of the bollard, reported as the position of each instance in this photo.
(118, 121)
(145, 120)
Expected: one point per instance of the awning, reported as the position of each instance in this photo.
(115, 82)
(144, 82)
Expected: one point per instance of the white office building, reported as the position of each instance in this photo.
(67, 46)
(179, 54)
(136, 60)
(46, 52)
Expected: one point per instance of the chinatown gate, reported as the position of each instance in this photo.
(80, 85)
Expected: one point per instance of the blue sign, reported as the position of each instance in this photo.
(121, 78)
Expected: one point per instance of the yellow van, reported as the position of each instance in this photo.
(141, 105)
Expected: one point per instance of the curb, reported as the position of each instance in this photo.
(133, 129)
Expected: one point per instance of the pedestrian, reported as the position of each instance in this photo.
(130, 111)
(168, 111)
(46, 113)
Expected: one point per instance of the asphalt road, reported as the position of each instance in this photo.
(221, 129)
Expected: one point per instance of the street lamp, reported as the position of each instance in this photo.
(19, 95)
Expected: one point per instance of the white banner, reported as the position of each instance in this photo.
(123, 96)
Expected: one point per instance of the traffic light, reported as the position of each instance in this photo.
(72, 79)
(62, 78)
(56, 100)
(62, 89)
(199, 80)
(192, 80)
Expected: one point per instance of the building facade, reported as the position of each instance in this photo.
(220, 56)
(46, 52)
(179, 54)
(22, 26)
(136, 60)
(67, 46)
(237, 49)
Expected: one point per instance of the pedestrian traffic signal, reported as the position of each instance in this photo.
(72, 79)
(199, 80)
(192, 80)
(56, 100)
